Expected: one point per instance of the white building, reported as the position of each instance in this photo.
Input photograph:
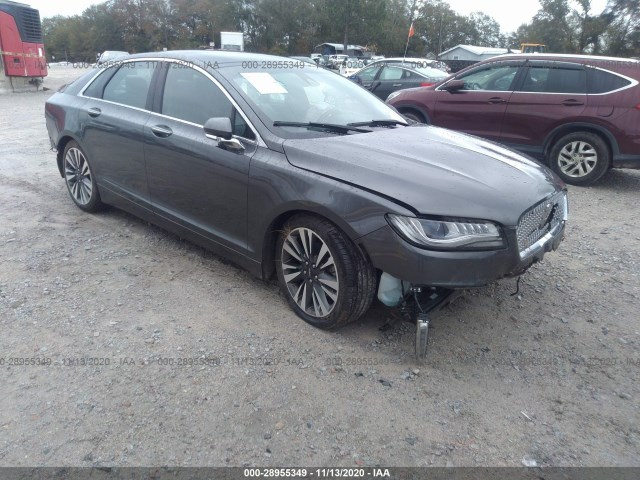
(471, 53)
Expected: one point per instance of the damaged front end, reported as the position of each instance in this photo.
(415, 303)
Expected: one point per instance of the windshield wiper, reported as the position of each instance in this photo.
(378, 123)
(326, 126)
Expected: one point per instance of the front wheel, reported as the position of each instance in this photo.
(580, 158)
(326, 279)
(79, 178)
(415, 116)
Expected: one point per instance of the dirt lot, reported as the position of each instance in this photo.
(549, 376)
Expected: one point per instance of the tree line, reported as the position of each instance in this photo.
(289, 27)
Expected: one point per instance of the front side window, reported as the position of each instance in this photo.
(548, 79)
(130, 84)
(496, 78)
(191, 96)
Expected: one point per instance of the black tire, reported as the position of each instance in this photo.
(580, 158)
(79, 178)
(354, 276)
(415, 116)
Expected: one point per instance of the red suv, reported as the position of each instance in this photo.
(579, 113)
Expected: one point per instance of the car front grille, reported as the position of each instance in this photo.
(537, 225)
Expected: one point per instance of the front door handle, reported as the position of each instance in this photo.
(94, 112)
(397, 85)
(572, 103)
(494, 100)
(161, 131)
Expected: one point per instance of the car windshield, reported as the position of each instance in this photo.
(305, 94)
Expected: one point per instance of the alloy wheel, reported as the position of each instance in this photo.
(78, 176)
(577, 159)
(310, 272)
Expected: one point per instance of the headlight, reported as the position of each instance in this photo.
(447, 234)
(393, 95)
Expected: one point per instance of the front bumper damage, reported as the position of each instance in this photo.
(452, 269)
(429, 278)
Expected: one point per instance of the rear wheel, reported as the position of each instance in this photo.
(326, 279)
(79, 178)
(580, 158)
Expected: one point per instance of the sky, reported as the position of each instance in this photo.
(510, 14)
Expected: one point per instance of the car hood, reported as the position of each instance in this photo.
(431, 170)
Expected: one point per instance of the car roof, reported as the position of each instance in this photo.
(207, 56)
(407, 59)
(561, 57)
(409, 63)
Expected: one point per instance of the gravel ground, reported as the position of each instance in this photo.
(548, 376)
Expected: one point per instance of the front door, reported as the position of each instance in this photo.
(479, 107)
(193, 180)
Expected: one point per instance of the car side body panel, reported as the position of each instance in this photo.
(534, 121)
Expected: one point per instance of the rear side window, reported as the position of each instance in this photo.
(96, 89)
(130, 84)
(599, 81)
(412, 75)
(391, 73)
(191, 96)
(543, 79)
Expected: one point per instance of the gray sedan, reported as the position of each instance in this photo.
(292, 171)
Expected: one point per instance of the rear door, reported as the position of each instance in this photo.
(548, 95)
(479, 107)
(114, 115)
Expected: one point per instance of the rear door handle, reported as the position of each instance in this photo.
(397, 85)
(572, 103)
(94, 112)
(494, 100)
(161, 131)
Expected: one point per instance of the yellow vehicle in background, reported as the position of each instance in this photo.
(533, 48)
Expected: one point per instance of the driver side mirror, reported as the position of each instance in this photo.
(219, 127)
(356, 79)
(454, 86)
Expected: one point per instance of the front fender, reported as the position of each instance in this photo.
(278, 190)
